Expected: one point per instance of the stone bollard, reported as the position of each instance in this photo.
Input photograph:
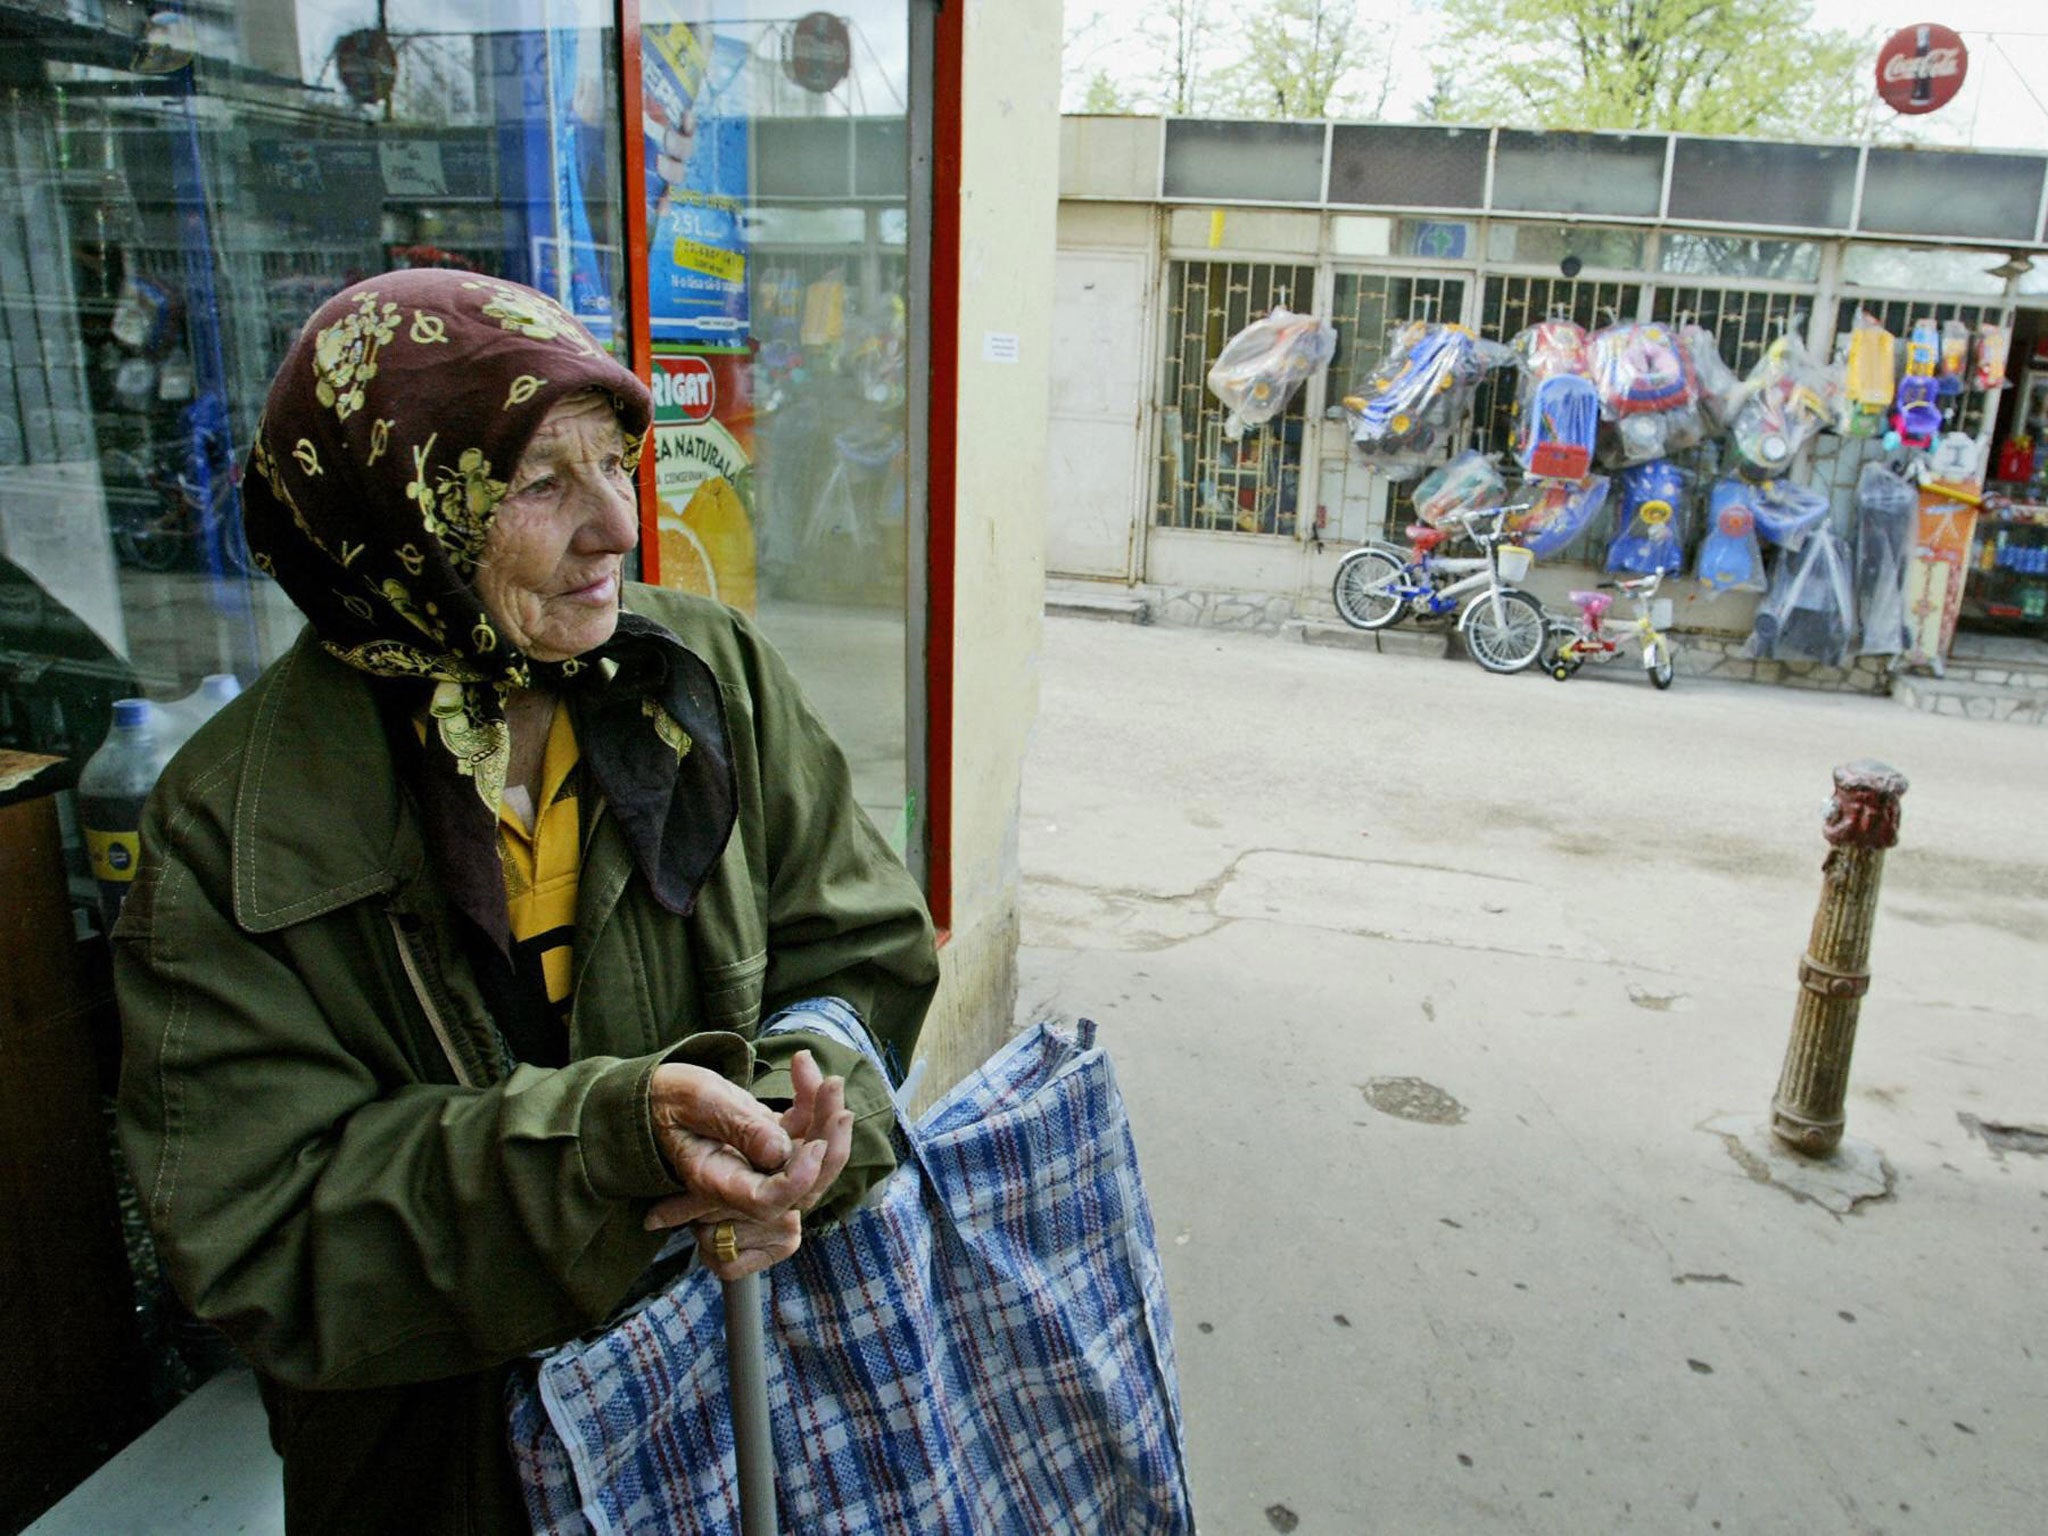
(1863, 821)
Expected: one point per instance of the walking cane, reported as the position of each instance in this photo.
(746, 1368)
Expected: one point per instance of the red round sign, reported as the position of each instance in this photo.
(1921, 67)
(685, 390)
(817, 53)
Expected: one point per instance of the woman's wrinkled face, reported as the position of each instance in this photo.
(549, 576)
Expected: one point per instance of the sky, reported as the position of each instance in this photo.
(2003, 103)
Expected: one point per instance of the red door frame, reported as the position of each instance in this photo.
(943, 416)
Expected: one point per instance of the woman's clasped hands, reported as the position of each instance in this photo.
(749, 1173)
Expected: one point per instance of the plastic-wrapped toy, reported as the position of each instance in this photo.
(1468, 481)
(1786, 513)
(1869, 378)
(1554, 347)
(1730, 558)
(1652, 538)
(1916, 410)
(1956, 464)
(1648, 390)
(1887, 516)
(1994, 345)
(1955, 359)
(1717, 381)
(1782, 404)
(1257, 373)
(1557, 409)
(1810, 611)
(1416, 394)
(1555, 512)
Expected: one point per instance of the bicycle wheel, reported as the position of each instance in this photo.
(1661, 669)
(1364, 590)
(1504, 631)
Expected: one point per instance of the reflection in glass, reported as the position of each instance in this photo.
(182, 186)
(1730, 256)
(1922, 271)
(778, 217)
(1597, 173)
(1546, 245)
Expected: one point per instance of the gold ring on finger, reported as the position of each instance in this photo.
(725, 1242)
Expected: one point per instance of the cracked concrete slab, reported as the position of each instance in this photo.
(1854, 1175)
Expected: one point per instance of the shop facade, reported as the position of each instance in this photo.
(759, 211)
(1176, 233)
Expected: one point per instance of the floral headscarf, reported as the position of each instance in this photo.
(388, 439)
(387, 442)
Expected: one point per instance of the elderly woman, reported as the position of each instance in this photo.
(442, 974)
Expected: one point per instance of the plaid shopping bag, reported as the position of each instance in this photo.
(986, 1350)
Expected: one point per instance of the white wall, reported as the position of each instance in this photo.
(1009, 200)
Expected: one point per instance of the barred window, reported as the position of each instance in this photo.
(1205, 480)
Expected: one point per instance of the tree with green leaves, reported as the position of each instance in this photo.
(1305, 59)
(1757, 67)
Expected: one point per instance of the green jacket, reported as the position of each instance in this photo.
(342, 1172)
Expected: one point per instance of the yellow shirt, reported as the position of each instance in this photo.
(541, 867)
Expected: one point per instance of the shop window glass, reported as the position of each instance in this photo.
(1376, 165)
(1735, 181)
(182, 187)
(182, 190)
(1548, 245)
(1903, 268)
(1247, 162)
(1689, 255)
(778, 216)
(1951, 194)
(1596, 173)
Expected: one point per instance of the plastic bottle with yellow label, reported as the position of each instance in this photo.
(117, 779)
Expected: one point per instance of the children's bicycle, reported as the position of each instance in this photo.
(1503, 626)
(1591, 638)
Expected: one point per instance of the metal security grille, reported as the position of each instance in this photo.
(1205, 480)
(1368, 305)
(1898, 315)
(1743, 322)
(1510, 305)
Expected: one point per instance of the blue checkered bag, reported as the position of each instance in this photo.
(986, 1349)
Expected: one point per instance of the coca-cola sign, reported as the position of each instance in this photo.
(1920, 68)
(817, 52)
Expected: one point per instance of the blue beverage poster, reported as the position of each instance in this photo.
(695, 111)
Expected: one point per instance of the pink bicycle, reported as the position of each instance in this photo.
(1593, 637)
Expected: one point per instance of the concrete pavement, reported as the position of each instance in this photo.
(1424, 986)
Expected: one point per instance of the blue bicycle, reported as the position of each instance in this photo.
(1503, 627)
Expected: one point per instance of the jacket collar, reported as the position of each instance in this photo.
(319, 819)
